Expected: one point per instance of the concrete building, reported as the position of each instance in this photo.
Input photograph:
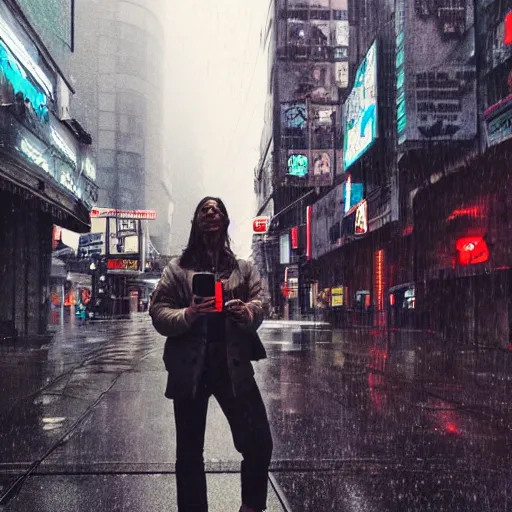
(47, 170)
(311, 60)
(122, 103)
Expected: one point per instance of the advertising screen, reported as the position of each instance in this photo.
(360, 108)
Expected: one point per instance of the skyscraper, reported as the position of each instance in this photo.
(122, 103)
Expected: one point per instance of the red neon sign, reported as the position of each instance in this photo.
(294, 232)
(260, 225)
(123, 214)
(472, 250)
(123, 264)
(508, 28)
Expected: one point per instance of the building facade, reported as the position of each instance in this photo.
(412, 231)
(47, 170)
(122, 103)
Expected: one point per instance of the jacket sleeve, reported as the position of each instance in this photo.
(254, 303)
(168, 318)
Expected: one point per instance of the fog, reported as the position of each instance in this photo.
(216, 83)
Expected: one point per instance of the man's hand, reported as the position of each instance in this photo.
(239, 311)
(196, 309)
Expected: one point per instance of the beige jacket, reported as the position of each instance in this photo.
(185, 347)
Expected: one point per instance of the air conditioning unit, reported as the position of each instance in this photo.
(63, 99)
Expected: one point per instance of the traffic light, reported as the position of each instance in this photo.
(102, 277)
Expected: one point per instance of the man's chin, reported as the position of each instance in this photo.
(211, 229)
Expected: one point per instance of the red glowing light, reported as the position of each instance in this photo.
(407, 230)
(471, 211)
(219, 293)
(260, 225)
(379, 278)
(294, 232)
(391, 299)
(508, 28)
(451, 428)
(472, 250)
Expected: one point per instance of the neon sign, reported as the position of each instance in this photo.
(472, 250)
(34, 155)
(123, 264)
(21, 82)
(361, 222)
(123, 214)
(18, 48)
(298, 165)
(260, 225)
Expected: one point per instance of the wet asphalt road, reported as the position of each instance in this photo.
(358, 425)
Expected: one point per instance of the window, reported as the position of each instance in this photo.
(317, 14)
(340, 53)
(320, 53)
(297, 14)
(340, 15)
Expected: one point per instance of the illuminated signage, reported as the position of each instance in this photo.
(64, 146)
(18, 48)
(34, 155)
(294, 235)
(508, 29)
(352, 194)
(498, 121)
(401, 106)
(472, 250)
(298, 165)
(260, 225)
(123, 264)
(123, 214)
(361, 222)
(361, 110)
(337, 297)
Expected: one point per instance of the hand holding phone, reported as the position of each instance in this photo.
(199, 306)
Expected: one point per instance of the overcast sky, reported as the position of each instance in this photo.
(217, 77)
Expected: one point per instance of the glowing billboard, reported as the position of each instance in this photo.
(361, 128)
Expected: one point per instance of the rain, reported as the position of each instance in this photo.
(289, 217)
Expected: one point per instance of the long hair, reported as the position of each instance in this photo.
(195, 256)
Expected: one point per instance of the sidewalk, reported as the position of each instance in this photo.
(473, 377)
(102, 437)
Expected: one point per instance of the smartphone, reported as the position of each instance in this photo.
(203, 285)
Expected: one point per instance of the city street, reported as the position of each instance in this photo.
(361, 421)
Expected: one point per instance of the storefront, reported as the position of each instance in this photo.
(46, 175)
(463, 246)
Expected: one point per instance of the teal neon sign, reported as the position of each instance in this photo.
(22, 83)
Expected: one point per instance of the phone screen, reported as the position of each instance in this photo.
(203, 284)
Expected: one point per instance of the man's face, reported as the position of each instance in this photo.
(210, 218)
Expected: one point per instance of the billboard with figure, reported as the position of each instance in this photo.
(436, 71)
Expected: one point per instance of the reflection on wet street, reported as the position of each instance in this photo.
(362, 420)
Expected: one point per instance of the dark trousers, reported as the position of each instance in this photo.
(247, 418)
